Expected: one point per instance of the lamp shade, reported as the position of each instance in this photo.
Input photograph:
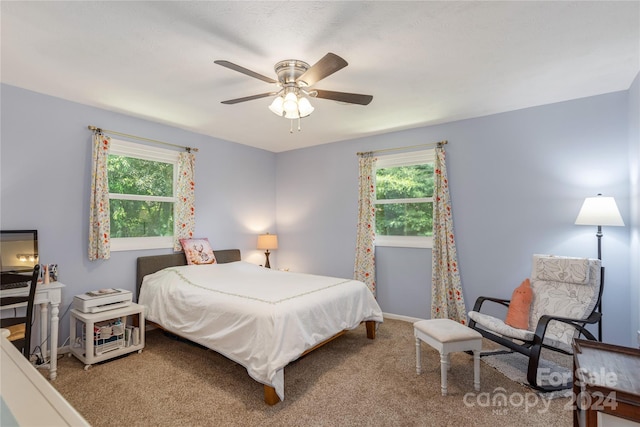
(290, 104)
(305, 107)
(268, 241)
(276, 106)
(599, 210)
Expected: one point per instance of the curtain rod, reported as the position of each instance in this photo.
(432, 144)
(113, 132)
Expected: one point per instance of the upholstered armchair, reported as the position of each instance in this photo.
(566, 292)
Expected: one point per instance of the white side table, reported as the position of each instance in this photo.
(46, 295)
(448, 336)
(87, 351)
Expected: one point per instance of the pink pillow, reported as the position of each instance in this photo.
(198, 251)
(518, 313)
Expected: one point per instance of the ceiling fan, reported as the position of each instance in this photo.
(294, 80)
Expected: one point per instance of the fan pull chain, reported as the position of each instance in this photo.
(291, 126)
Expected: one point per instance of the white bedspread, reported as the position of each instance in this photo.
(258, 317)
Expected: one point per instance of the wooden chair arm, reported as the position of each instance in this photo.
(481, 300)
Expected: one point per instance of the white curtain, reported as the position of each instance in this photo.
(365, 269)
(184, 208)
(446, 293)
(99, 221)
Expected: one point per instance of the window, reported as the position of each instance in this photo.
(404, 199)
(142, 182)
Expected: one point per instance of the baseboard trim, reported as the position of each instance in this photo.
(401, 317)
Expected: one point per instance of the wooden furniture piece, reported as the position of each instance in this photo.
(151, 264)
(91, 350)
(448, 336)
(47, 295)
(20, 326)
(26, 396)
(607, 381)
(566, 293)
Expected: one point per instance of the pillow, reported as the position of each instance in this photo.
(198, 251)
(518, 313)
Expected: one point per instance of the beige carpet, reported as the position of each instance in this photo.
(514, 366)
(351, 381)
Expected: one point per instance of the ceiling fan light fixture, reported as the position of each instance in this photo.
(291, 115)
(277, 106)
(304, 107)
(290, 104)
(295, 78)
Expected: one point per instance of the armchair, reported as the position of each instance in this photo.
(566, 292)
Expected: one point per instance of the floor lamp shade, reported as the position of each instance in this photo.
(599, 210)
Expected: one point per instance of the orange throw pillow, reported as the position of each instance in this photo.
(518, 313)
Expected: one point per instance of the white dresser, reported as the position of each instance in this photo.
(27, 398)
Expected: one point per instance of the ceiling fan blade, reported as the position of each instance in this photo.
(329, 64)
(351, 98)
(249, 98)
(246, 71)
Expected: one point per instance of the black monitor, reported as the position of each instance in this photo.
(18, 251)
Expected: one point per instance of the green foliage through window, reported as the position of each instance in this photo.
(133, 218)
(141, 197)
(129, 175)
(404, 204)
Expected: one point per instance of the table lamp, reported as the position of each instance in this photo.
(267, 241)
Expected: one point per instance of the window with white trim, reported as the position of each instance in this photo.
(142, 188)
(404, 199)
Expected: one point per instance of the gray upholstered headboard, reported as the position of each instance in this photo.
(151, 264)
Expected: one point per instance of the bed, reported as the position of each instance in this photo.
(260, 318)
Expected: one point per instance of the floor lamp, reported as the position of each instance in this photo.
(599, 211)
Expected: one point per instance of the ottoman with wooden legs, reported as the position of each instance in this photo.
(448, 336)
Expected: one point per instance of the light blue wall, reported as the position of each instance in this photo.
(517, 182)
(634, 222)
(45, 150)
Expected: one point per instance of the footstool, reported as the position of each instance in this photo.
(448, 336)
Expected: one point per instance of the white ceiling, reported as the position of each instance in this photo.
(423, 62)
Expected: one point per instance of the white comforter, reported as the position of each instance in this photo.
(260, 318)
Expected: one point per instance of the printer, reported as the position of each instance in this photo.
(102, 300)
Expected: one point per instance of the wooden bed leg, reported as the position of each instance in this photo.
(371, 329)
(270, 395)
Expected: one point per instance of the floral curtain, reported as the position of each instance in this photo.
(364, 269)
(184, 208)
(446, 292)
(99, 226)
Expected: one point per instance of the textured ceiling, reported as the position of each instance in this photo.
(423, 62)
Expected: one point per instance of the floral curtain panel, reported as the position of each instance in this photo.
(446, 293)
(364, 269)
(99, 225)
(184, 209)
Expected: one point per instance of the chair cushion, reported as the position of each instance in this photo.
(520, 306)
(569, 297)
(16, 332)
(552, 268)
(498, 326)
